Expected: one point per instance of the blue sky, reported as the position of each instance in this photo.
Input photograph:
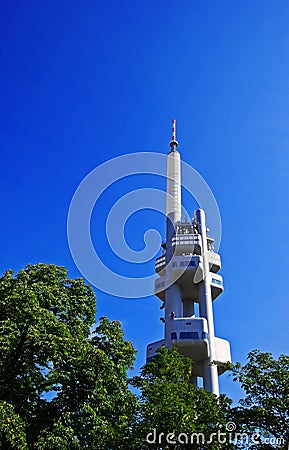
(84, 82)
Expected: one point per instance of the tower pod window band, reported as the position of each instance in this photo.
(189, 335)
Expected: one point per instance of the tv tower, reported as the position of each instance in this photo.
(188, 284)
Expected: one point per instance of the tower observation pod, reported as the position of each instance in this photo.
(188, 284)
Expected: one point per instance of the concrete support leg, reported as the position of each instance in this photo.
(211, 382)
(193, 380)
(188, 308)
(173, 308)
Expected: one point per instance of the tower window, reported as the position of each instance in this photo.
(189, 335)
(216, 281)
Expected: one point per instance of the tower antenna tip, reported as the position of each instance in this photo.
(174, 143)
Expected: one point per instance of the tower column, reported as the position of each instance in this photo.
(211, 382)
(194, 380)
(173, 295)
(188, 307)
(173, 308)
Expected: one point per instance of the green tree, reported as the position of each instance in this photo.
(12, 428)
(61, 386)
(171, 405)
(265, 409)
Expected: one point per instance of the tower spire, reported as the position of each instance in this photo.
(173, 203)
(174, 143)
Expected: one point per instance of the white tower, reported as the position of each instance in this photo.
(188, 284)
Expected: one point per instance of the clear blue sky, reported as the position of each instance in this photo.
(83, 82)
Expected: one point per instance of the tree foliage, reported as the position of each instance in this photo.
(60, 386)
(12, 428)
(172, 405)
(266, 406)
(64, 385)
